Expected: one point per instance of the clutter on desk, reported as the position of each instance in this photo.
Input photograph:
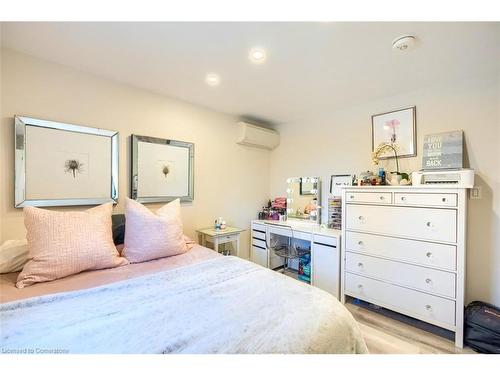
(220, 224)
(394, 178)
(335, 199)
(275, 210)
(335, 212)
(381, 178)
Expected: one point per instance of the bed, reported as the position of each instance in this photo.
(197, 302)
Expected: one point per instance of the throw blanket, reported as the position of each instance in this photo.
(224, 305)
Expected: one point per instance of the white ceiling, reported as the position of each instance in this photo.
(310, 68)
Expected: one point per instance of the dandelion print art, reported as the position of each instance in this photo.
(73, 166)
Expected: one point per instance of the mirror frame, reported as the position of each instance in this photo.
(20, 124)
(134, 179)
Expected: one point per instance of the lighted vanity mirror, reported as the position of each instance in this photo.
(303, 198)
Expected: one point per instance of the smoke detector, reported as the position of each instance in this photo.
(404, 43)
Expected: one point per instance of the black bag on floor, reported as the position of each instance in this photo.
(482, 327)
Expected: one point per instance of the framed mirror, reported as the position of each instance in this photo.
(162, 170)
(59, 164)
(303, 198)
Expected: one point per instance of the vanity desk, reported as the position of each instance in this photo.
(323, 242)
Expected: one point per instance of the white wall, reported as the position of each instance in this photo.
(230, 180)
(234, 181)
(2, 187)
(340, 142)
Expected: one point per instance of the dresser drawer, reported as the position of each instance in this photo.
(408, 275)
(286, 232)
(419, 252)
(259, 243)
(258, 234)
(433, 309)
(426, 199)
(422, 223)
(368, 197)
(257, 226)
(259, 256)
(325, 240)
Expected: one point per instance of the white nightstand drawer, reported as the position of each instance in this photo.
(228, 238)
(420, 223)
(419, 252)
(369, 197)
(408, 275)
(433, 309)
(426, 199)
(258, 234)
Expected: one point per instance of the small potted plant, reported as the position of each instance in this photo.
(397, 178)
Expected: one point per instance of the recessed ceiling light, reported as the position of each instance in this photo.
(212, 79)
(257, 55)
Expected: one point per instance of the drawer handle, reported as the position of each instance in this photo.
(360, 286)
(429, 224)
(361, 218)
(352, 197)
(428, 254)
(382, 197)
(443, 199)
(403, 198)
(360, 264)
(428, 307)
(428, 281)
(360, 243)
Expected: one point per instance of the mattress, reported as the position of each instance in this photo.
(199, 302)
(89, 279)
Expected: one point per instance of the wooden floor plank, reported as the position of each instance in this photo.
(384, 335)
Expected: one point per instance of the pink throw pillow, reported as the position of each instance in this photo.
(150, 236)
(65, 243)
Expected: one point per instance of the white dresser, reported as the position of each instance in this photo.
(324, 244)
(403, 248)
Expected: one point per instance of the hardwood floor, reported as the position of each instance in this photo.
(384, 335)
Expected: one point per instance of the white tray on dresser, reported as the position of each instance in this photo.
(403, 248)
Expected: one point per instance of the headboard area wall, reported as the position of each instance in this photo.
(41, 89)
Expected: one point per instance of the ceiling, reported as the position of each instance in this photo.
(310, 67)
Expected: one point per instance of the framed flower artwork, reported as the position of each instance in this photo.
(396, 127)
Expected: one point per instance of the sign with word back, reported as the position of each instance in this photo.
(443, 150)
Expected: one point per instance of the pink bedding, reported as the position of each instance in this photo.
(89, 279)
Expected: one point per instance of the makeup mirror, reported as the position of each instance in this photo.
(303, 198)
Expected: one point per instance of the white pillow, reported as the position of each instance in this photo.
(13, 255)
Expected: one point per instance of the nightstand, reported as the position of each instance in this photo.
(219, 237)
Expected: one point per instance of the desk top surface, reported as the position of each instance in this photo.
(302, 227)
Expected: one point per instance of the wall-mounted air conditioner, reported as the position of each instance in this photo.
(256, 136)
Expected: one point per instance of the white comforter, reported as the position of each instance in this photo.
(224, 305)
